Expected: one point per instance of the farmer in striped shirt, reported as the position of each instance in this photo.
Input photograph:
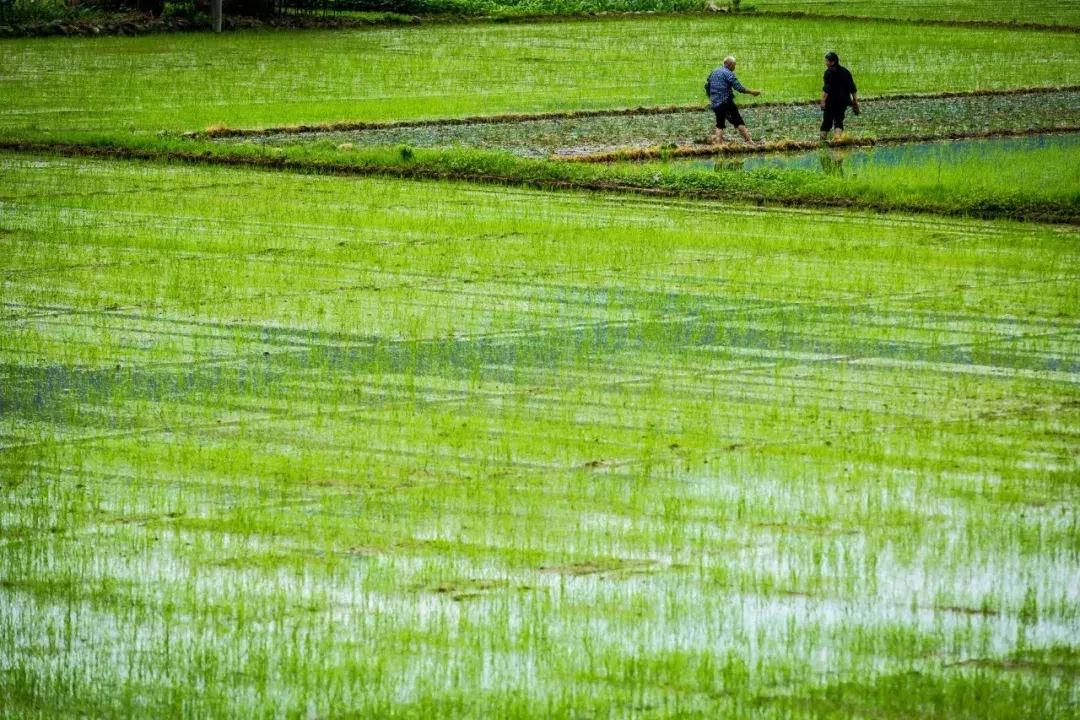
(721, 88)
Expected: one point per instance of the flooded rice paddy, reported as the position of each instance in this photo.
(882, 119)
(950, 155)
(275, 444)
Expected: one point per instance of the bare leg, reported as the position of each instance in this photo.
(825, 136)
(745, 134)
(718, 136)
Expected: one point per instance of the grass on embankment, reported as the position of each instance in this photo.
(252, 79)
(1035, 185)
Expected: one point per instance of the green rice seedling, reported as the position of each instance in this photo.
(312, 445)
(260, 79)
(996, 173)
(1053, 12)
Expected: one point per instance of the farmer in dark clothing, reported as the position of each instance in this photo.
(837, 93)
(721, 88)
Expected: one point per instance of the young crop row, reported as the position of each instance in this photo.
(657, 127)
(1045, 12)
(253, 79)
(285, 444)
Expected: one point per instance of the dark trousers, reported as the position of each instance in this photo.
(834, 117)
(728, 111)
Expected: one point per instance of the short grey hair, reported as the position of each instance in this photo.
(729, 58)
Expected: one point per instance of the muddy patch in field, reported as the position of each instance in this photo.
(678, 126)
(603, 567)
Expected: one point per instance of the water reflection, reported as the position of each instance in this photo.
(850, 161)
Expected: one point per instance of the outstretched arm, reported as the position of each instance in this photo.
(739, 86)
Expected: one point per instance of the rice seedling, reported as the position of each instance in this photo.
(1003, 172)
(299, 445)
(253, 79)
(1046, 12)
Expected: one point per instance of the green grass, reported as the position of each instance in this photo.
(250, 79)
(280, 445)
(1042, 12)
(1031, 170)
(1004, 179)
(1008, 174)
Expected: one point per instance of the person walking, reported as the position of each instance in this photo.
(721, 87)
(837, 93)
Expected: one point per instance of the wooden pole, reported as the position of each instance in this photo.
(215, 14)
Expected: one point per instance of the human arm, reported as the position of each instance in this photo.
(824, 90)
(739, 86)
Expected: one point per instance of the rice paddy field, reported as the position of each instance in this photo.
(404, 423)
(248, 79)
(882, 119)
(1063, 13)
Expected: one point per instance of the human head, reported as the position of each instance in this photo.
(831, 59)
(729, 62)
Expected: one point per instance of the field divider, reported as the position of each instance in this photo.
(932, 22)
(494, 169)
(783, 146)
(222, 131)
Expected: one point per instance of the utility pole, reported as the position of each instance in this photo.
(215, 14)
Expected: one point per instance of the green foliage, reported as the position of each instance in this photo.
(29, 11)
(526, 7)
(1021, 183)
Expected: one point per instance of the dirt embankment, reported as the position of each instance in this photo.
(655, 153)
(1048, 213)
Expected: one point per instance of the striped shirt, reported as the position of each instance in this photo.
(720, 86)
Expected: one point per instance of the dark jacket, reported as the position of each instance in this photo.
(840, 86)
